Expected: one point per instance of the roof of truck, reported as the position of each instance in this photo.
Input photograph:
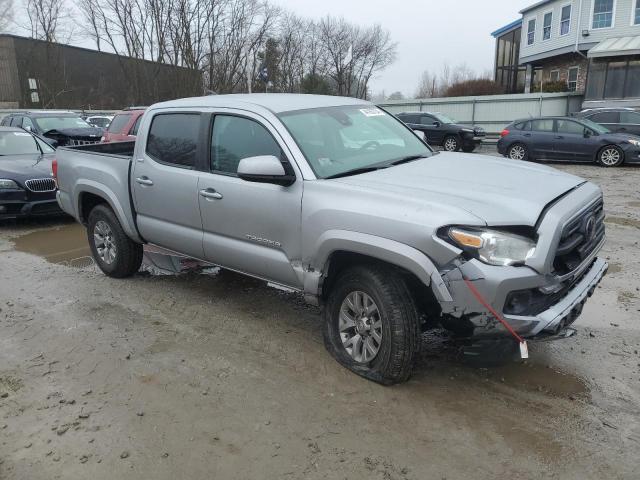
(276, 102)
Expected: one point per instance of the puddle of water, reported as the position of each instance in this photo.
(67, 245)
(63, 245)
(534, 377)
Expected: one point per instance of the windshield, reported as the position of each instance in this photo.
(21, 143)
(595, 126)
(442, 118)
(336, 140)
(60, 123)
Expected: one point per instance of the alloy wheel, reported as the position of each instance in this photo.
(360, 326)
(104, 242)
(517, 152)
(610, 157)
(450, 144)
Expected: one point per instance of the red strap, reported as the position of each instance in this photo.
(486, 305)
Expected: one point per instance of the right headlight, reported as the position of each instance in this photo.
(493, 246)
(6, 184)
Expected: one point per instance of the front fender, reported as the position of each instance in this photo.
(384, 249)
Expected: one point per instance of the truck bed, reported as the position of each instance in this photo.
(100, 170)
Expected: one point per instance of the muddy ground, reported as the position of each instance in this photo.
(206, 375)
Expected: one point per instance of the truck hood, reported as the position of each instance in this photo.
(500, 192)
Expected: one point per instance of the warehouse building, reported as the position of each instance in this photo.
(35, 74)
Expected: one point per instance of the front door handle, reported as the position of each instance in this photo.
(144, 181)
(558, 137)
(211, 194)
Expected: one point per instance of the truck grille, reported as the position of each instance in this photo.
(41, 184)
(73, 141)
(579, 238)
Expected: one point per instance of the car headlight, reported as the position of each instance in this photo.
(466, 130)
(634, 142)
(7, 184)
(492, 246)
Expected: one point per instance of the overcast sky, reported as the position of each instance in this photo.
(428, 32)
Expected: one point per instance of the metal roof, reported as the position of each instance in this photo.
(275, 102)
(535, 5)
(612, 47)
(512, 26)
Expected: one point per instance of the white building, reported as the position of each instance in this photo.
(591, 45)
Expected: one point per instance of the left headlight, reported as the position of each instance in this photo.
(634, 142)
(7, 184)
(492, 246)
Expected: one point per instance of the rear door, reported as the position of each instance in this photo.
(542, 138)
(630, 122)
(165, 182)
(250, 227)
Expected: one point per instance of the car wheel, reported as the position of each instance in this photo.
(468, 149)
(371, 324)
(115, 253)
(610, 156)
(518, 151)
(451, 143)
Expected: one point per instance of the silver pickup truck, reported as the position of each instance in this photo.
(337, 199)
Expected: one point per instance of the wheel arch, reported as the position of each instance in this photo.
(338, 250)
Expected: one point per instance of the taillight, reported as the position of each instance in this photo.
(504, 133)
(103, 140)
(54, 169)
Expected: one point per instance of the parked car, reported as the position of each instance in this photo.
(443, 131)
(124, 126)
(100, 121)
(58, 127)
(619, 120)
(337, 199)
(26, 185)
(567, 139)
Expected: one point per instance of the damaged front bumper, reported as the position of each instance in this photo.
(496, 283)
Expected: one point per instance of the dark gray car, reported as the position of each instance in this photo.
(618, 120)
(568, 139)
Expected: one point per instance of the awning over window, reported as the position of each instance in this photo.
(613, 47)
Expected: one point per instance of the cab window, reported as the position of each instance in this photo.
(542, 125)
(173, 138)
(234, 138)
(570, 127)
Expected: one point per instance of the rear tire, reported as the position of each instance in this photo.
(451, 143)
(376, 337)
(113, 251)
(610, 156)
(518, 151)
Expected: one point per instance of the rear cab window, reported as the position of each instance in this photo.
(118, 123)
(173, 139)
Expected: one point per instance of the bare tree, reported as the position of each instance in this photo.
(45, 18)
(6, 14)
(428, 86)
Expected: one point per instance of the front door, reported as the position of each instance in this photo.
(433, 129)
(571, 143)
(250, 227)
(165, 183)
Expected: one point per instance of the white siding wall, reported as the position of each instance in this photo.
(623, 11)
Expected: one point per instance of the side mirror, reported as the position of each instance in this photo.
(264, 169)
(587, 133)
(436, 124)
(420, 135)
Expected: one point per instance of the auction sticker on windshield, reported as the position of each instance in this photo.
(372, 112)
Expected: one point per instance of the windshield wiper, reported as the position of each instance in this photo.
(408, 159)
(356, 171)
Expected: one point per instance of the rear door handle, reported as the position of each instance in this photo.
(144, 181)
(558, 137)
(527, 134)
(210, 193)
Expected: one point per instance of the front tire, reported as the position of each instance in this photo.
(610, 156)
(518, 151)
(113, 251)
(371, 323)
(469, 149)
(451, 143)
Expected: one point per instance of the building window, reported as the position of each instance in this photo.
(613, 79)
(636, 13)
(34, 97)
(531, 31)
(546, 25)
(572, 79)
(565, 20)
(554, 76)
(33, 85)
(602, 13)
